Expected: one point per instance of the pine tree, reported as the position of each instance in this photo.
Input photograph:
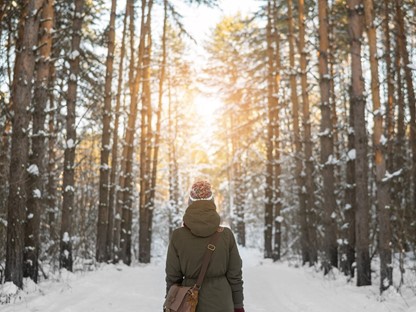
(362, 215)
(382, 192)
(295, 110)
(21, 96)
(103, 213)
(309, 250)
(114, 221)
(68, 186)
(271, 113)
(327, 148)
(36, 203)
(411, 99)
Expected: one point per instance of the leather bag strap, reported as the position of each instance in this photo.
(207, 257)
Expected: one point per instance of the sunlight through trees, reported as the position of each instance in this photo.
(300, 113)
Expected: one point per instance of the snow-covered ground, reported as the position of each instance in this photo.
(270, 287)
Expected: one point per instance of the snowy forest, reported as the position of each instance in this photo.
(301, 114)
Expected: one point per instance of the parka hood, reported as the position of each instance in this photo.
(202, 218)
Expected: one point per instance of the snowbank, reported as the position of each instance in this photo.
(268, 287)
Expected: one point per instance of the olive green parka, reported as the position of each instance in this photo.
(222, 288)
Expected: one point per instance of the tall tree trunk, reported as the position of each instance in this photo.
(268, 213)
(146, 214)
(103, 207)
(333, 95)
(113, 233)
(295, 109)
(399, 189)
(68, 186)
(240, 208)
(35, 203)
(51, 201)
(350, 203)
(382, 192)
(277, 200)
(362, 215)
(4, 168)
(237, 167)
(5, 134)
(173, 165)
(410, 97)
(390, 89)
(226, 124)
(337, 143)
(309, 248)
(237, 171)
(21, 97)
(127, 161)
(162, 79)
(124, 252)
(327, 145)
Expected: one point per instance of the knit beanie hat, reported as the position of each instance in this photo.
(201, 190)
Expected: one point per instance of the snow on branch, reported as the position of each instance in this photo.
(389, 176)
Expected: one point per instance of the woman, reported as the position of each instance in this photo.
(222, 288)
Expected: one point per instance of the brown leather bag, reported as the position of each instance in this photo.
(181, 299)
(185, 298)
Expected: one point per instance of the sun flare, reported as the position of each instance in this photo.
(207, 108)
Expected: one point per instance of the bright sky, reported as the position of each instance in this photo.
(206, 106)
(199, 21)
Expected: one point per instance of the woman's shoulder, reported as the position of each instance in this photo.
(226, 229)
(227, 232)
(179, 231)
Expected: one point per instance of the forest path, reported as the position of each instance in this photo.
(268, 286)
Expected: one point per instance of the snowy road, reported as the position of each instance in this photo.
(268, 287)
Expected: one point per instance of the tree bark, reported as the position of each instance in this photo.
(68, 186)
(162, 79)
(295, 110)
(5, 135)
(240, 212)
(4, 168)
(382, 192)
(21, 97)
(309, 248)
(124, 251)
(236, 163)
(268, 213)
(327, 146)
(390, 89)
(146, 214)
(35, 203)
(410, 97)
(113, 233)
(277, 170)
(174, 218)
(399, 187)
(51, 200)
(102, 249)
(350, 203)
(117, 192)
(362, 216)
(333, 94)
(127, 196)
